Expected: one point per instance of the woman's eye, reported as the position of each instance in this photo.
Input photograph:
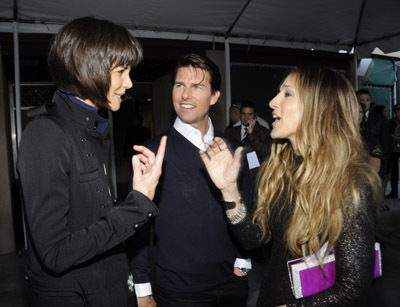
(287, 94)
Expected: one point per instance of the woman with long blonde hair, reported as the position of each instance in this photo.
(317, 187)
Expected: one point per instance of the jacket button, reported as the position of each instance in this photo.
(104, 206)
(137, 226)
(150, 214)
(87, 119)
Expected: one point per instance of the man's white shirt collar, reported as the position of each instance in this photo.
(237, 124)
(193, 135)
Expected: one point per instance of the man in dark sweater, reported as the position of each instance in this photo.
(195, 260)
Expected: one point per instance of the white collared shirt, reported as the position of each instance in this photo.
(237, 124)
(242, 131)
(193, 135)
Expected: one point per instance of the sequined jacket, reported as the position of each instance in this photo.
(354, 252)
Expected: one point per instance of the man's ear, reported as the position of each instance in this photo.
(214, 97)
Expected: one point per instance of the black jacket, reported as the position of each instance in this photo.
(74, 230)
(259, 140)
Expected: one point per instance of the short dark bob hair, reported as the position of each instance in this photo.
(200, 62)
(83, 54)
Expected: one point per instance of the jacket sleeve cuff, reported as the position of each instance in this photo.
(136, 210)
(143, 290)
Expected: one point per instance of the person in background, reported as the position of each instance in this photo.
(364, 96)
(394, 127)
(253, 136)
(75, 232)
(361, 118)
(262, 121)
(195, 259)
(379, 142)
(234, 115)
(317, 188)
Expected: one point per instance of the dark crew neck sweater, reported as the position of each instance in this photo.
(194, 248)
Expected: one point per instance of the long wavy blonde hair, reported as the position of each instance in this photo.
(325, 186)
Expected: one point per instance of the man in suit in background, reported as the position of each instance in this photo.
(253, 136)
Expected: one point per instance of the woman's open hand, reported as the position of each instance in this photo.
(222, 167)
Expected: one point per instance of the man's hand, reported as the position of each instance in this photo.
(146, 301)
(237, 272)
(147, 168)
(252, 123)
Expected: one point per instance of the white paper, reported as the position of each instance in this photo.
(252, 160)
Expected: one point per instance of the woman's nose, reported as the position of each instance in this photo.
(128, 82)
(272, 103)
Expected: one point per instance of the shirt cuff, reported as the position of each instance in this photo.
(143, 290)
(242, 263)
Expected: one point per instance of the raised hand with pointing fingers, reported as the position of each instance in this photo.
(147, 168)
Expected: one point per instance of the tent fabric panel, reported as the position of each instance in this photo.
(380, 19)
(310, 21)
(315, 23)
(6, 9)
(382, 73)
(206, 16)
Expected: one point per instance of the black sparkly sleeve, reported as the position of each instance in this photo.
(248, 234)
(354, 253)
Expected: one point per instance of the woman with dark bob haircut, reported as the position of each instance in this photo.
(75, 231)
(317, 189)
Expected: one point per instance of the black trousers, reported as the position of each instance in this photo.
(231, 294)
(116, 295)
(105, 286)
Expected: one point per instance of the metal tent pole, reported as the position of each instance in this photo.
(17, 82)
(227, 78)
(355, 60)
(17, 88)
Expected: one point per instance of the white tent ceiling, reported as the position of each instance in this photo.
(329, 25)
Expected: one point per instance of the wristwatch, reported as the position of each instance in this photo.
(228, 205)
